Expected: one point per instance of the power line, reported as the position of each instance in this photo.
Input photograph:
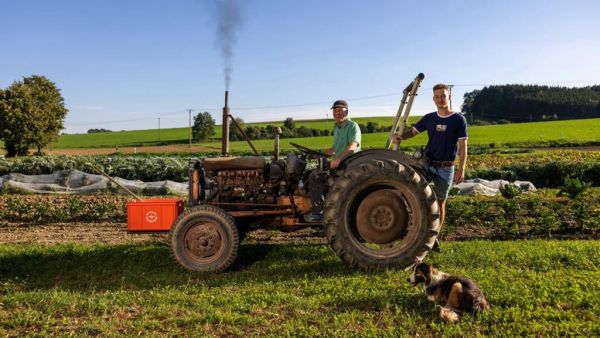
(362, 98)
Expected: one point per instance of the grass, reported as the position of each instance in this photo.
(516, 134)
(179, 135)
(536, 288)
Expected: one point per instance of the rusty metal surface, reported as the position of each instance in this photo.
(252, 205)
(250, 213)
(195, 190)
(382, 217)
(225, 127)
(204, 242)
(301, 203)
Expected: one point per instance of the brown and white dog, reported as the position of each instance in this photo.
(456, 294)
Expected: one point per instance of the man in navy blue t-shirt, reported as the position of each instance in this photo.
(447, 132)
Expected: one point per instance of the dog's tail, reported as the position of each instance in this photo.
(448, 315)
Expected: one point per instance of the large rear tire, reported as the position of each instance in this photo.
(204, 238)
(380, 215)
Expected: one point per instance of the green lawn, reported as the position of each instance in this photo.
(536, 288)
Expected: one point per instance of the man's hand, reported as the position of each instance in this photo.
(335, 163)
(459, 175)
(396, 139)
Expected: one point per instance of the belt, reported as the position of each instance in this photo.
(442, 164)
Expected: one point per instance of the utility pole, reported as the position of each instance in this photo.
(190, 125)
(159, 129)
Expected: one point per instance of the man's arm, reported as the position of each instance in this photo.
(459, 174)
(406, 134)
(350, 149)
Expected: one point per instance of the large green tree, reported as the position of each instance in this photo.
(204, 126)
(32, 113)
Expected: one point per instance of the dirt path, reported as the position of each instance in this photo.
(116, 233)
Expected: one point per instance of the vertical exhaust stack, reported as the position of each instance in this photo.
(225, 133)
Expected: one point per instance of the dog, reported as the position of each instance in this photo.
(456, 294)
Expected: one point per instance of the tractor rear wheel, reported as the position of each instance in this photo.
(381, 214)
(204, 238)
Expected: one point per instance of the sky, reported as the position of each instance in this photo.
(123, 65)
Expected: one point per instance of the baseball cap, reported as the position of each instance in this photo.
(340, 103)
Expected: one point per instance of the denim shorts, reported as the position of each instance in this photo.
(442, 180)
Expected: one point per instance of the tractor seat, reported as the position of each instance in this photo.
(234, 163)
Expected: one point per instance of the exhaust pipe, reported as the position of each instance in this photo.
(225, 128)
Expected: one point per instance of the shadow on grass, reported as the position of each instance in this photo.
(142, 266)
(411, 302)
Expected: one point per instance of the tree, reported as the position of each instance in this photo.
(32, 114)
(98, 130)
(289, 123)
(204, 126)
(372, 127)
(234, 133)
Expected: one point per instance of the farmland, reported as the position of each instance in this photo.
(528, 135)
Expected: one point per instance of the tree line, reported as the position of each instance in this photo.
(526, 103)
(204, 128)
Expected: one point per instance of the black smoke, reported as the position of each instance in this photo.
(229, 22)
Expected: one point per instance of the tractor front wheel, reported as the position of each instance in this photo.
(204, 238)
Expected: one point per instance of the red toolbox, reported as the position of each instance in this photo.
(153, 214)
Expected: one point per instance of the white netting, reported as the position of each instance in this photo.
(77, 182)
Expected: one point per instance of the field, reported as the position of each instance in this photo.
(536, 288)
(535, 134)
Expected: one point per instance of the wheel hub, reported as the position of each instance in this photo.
(382, 217)
(203, 241)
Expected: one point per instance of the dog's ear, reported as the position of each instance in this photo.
(412, 266)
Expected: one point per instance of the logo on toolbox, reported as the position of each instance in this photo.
(151, 216)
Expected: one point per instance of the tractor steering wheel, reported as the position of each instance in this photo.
(308, 151)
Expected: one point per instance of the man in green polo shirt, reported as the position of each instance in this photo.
(346, 141)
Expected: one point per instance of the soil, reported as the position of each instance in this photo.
(116, 233)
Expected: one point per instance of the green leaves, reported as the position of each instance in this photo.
(32, 113)
(204, 127)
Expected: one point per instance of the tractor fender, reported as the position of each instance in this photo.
(369, 155)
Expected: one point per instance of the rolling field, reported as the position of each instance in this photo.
(517, 134)
(535, 288)
(180, 135)
(534, 134)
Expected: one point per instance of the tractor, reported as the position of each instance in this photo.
(379, 213)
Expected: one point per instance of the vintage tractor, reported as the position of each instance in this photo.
(379, 213)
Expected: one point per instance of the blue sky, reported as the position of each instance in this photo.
(124, 64)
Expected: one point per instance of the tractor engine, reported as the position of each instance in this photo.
(241, 180)
(241, 186)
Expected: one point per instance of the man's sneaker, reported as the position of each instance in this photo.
(313, 218)
(436, 246)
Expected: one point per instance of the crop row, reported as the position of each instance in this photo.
(529, 215)
(543, 169)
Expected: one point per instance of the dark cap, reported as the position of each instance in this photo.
(340, 103)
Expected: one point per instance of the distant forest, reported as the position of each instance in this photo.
(525, 103)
